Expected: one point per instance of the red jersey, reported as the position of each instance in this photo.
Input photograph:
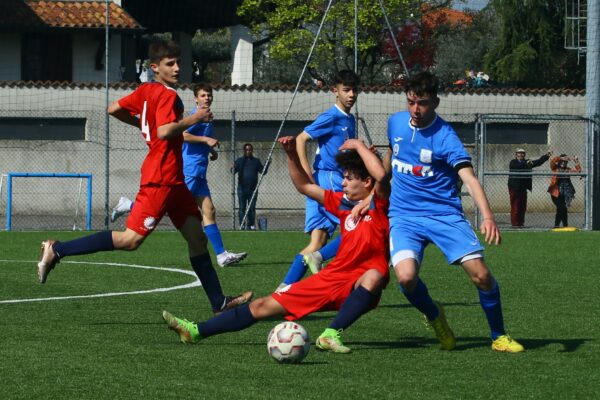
(157, 105)
(365, 242)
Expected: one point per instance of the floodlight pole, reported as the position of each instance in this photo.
(106, 121)
(592, 96)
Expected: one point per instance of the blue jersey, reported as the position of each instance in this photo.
(195, 155)
(423, 161)
(331, 129)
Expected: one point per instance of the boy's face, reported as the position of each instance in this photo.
(204, 98)
(354, 187)
(421, 108)
(345, 96)
(166, 71)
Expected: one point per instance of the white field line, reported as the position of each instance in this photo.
(88, 296)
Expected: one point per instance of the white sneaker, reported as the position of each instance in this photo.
(122, 207)
(228, 258)
(314, 261)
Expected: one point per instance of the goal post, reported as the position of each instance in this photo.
(9, 192)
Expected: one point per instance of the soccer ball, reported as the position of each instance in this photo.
(288, 343)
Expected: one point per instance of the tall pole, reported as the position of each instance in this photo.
(592, 98)
(106, 121)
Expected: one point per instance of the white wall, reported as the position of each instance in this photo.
(85, 46)
(10, 62)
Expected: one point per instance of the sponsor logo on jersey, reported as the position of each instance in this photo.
(409, 169)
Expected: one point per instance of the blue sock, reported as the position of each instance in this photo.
(422, 301)
(236, 319)
(214, 235)
(330, 249)
(101, 241)
(492, 307)
(203, 268)
(296, 271)
(356, 304)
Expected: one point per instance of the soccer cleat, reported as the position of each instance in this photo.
(48, 260)
(314, 261)
(122, 207)
(442, 329)
(507, 344)
(330, 341)
(228, 258)
(234, 301)
(188, 331)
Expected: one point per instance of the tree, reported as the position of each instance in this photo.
(464, 47)
(529, 50)
(290, 27)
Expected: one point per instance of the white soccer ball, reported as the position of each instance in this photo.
(288, 342)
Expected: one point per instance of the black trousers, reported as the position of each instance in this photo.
(561, 211)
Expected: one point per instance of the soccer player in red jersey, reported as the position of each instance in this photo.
(352, 283)
(157, 110)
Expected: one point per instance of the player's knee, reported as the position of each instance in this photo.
(483, 279)
(131, 243)
(372, 280)
(406, 279)
(258, 307)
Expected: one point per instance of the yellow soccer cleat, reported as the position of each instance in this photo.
(507, 344)
(442, 329)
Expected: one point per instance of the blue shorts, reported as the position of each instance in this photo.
(453, 235)
(197, 185)
(316, 216)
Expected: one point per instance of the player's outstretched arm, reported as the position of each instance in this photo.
(172, 129)
(301, 141)
(122, 114)
(299, 176)
(488, 225)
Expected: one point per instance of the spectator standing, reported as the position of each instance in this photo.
(248, 168)
(561, 188)
(520, 183)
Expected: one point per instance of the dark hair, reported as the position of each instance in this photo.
(346, 77)
(350, 161)
(422, 83)
(162, 49)
(248, 144)
(201, 86)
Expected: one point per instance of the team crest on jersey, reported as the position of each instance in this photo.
(149, 223)
(396, 148)
(425, 156)
(350, 224)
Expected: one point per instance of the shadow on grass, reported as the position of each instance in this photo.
(467, 343)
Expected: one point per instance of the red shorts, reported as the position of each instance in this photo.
(154, 201)
(319, 292)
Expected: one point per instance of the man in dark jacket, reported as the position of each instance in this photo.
(248, 167)
(520, 183)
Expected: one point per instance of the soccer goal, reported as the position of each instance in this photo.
(47, 200)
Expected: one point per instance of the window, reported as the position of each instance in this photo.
(47, 56)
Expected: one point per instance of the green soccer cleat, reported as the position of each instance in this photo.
(188, 331)
(507, 344)
(442, 329)
(314, 261)
(330, 341)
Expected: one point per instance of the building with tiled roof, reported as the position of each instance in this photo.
(64, 41)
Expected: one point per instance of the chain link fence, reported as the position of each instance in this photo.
(84, 142)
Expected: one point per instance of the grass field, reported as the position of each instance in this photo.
(118, 346)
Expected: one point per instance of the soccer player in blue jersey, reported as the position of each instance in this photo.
(426, 158)
(331, 129)
(198, 145)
